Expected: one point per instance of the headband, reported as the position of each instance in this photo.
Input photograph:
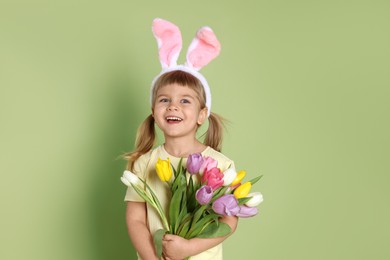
(203, 49)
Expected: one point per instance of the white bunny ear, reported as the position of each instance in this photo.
(169, 41)
(203, 49)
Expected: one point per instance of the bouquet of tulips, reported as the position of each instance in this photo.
(199, 201)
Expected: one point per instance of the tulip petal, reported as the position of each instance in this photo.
(246, 212)
(208, 163)
(256, 199)
(164, 170)
(229, 176)
(226, 205)
(194, 162)
(242, 190)
(238, 179)
(125, 181)
(204, 195)
(131, 177)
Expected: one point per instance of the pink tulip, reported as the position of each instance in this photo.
(213, 178)
(208, 163)
(227, 205)
(246, 212)
(204, 195)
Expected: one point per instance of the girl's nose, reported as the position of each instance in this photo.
(172, 107)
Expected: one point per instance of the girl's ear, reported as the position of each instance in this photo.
(202, 116)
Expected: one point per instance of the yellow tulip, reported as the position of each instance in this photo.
(243, 190)
(163, 169)
(238, 179)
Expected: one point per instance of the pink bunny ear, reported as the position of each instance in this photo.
(169, 41)
(203, 49)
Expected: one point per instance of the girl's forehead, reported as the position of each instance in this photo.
(176, 89)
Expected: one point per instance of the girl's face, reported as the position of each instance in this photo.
(177, 111)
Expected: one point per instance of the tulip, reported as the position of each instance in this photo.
(238, 179)
(246, 212)
(204, 195)
(208, 163)
(256, 199)
(228, 176)
(226, 205)
(194, 162)
(242, 190)
(129, 178)
(213, 178)
(163, 169)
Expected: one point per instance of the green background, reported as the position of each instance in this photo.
(305, 85)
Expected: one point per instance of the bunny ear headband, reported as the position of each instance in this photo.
(203, 49)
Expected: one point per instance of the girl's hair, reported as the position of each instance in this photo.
(146, 134)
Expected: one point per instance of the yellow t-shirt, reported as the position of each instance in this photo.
(144, 167)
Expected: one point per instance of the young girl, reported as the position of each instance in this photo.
(180, 102)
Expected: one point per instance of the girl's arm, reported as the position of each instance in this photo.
(138, 231)
(175, 247)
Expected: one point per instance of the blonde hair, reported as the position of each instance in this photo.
(146, 134)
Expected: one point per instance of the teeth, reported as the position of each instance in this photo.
(173, 118)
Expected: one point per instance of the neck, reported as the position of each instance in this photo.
(183, 148)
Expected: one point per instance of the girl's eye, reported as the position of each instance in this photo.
(186, 101)
(163, 100)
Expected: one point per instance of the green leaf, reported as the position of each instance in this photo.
(180, 165)
(174, 209)
(184, 225)
(254, 180)
(191, 200)
(142, 193)
(153, 201)
(182, 215)
(157, 239)
(179, 181)
(190, 187)
(175, 184)
(199, 226)
(218, 193)
(215, 229)
(174, 170)
(243, 200)
(198, 213)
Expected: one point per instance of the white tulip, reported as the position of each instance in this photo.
(228, 176)
(125, 181)
(256, 199)
(129, 177)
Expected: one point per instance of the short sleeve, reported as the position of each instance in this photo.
(140, 167)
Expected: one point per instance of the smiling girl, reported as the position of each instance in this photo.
(180, 104)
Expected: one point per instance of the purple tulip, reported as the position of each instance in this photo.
(194, 162)
(226, 205)
(204, 195)
(247, 212)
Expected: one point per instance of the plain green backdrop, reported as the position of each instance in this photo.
(305, 85)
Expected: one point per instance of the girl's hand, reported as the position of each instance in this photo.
(175, 247)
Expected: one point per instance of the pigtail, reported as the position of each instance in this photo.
(144, 142)
(214, 134)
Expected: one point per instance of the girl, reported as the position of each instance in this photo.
(180, 102)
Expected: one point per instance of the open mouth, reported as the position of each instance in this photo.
(173, 119)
